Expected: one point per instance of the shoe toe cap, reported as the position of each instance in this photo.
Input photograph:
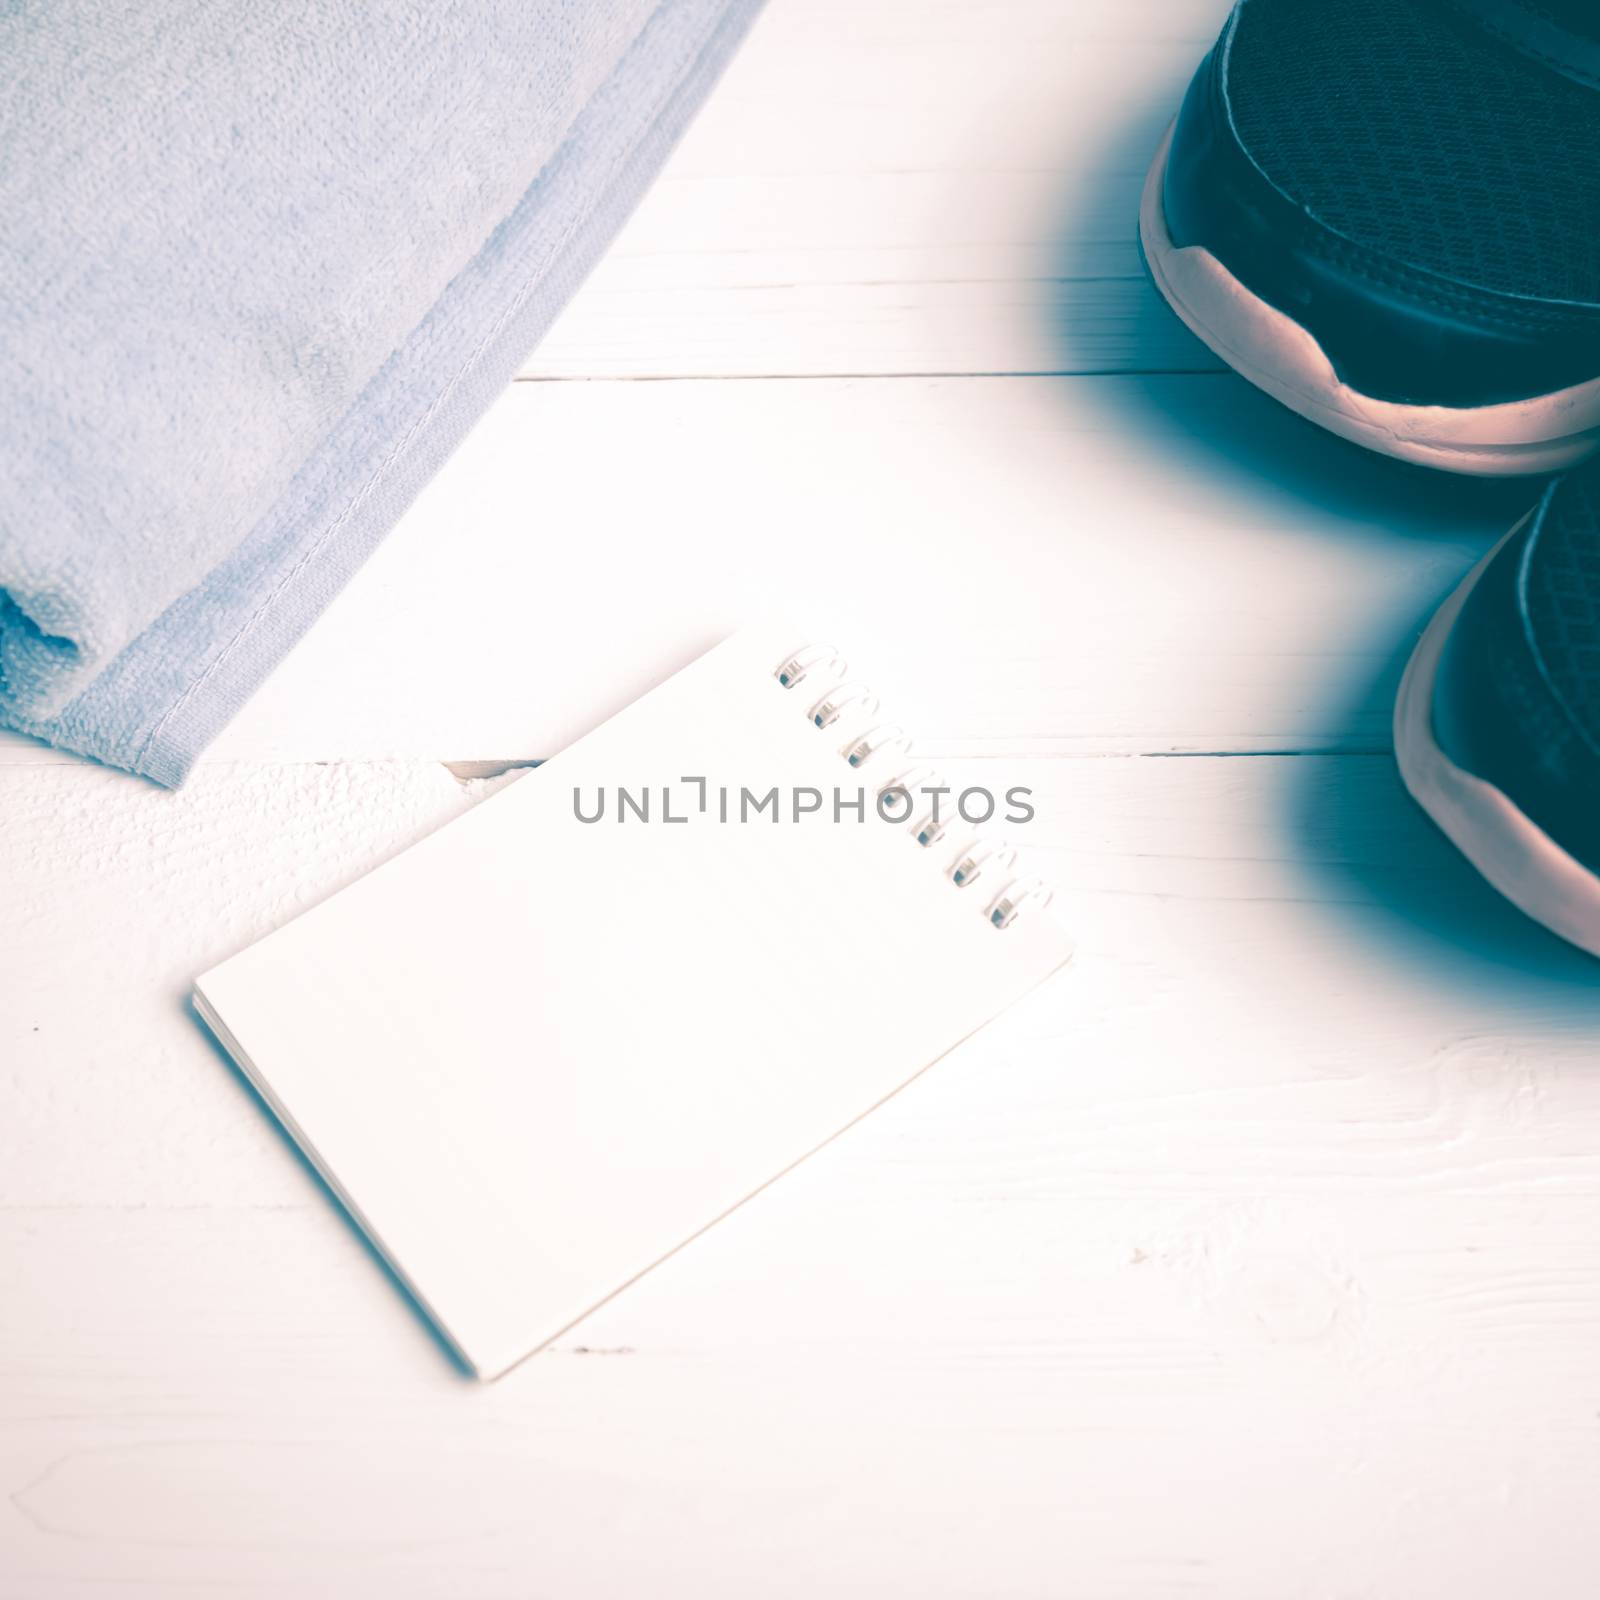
(1391, 328)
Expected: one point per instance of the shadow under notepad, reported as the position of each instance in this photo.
(1396, 884)
(335, 1204)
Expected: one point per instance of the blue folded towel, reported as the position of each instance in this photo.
(261, 267)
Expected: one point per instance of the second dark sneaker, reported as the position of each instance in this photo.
(1497, 725)
(1386, 214)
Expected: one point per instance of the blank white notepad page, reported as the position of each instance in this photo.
(534, 1055)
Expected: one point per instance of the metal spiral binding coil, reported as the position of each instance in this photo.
(1014, 894)
(836, 702)
(795, 669)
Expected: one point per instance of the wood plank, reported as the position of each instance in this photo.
(1144, 1397)
(901, 187)
(1256, 1253)
(1044, 565)
(1290, 1179)
(1227, 909)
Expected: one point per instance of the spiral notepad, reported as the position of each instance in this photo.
(544, 1048)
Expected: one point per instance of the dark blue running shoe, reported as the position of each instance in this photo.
(1497, 727)
(1386, 213)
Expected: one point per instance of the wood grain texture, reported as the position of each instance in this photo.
(906, 188)
(1255, 1259)
(1047, 564)
(1282, 1197)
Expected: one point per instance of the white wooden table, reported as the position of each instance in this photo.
(1259, 1258)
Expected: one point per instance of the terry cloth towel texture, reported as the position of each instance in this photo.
(261, 266)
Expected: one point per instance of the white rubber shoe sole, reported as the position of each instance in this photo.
(1518, 857)
(1545, 434)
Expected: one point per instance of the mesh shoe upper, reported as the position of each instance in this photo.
(1415, 183)
(1517, 699)
(1561, 600)
(1577, 16)
(1409, 129)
